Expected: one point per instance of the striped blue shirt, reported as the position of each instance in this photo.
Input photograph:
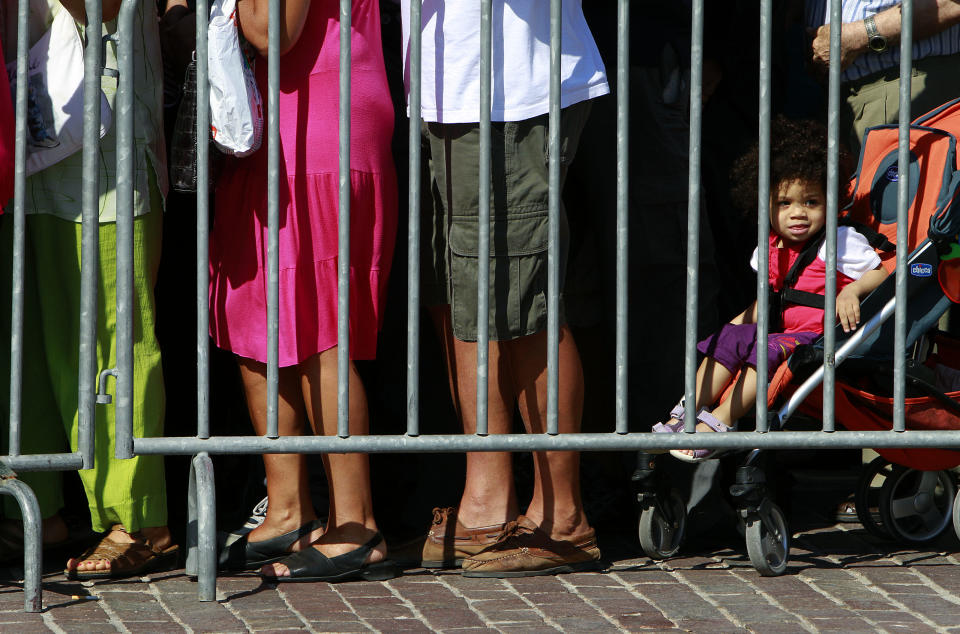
(944, 43)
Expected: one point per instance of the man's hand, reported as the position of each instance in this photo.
(852, 44)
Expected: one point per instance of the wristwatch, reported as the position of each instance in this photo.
(876, 42)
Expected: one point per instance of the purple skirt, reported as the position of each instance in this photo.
(736, 344)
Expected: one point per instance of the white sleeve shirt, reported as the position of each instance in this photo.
(520, 59)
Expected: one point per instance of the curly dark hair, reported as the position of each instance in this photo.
(798, 151)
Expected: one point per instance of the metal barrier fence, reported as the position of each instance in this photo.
(202, 556)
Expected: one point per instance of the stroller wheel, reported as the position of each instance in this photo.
(917, 506)
(663, 525)
(867, 496)
(768, 540)
(956, 515)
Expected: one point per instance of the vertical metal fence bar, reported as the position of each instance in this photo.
(623, 200)
(833, 190)
(693, 217)
(343, 272)
(273, 218)
(553, 242)
(203, 223)
(123, 115)
(763, 211)
(903, 202)
(90, 236)
(413, 229)
(19, 220)
(483, 241)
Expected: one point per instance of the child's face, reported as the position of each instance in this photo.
(798, 210)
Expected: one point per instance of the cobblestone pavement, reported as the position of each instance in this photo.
(840, 579)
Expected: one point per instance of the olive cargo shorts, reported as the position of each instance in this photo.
(519, 221)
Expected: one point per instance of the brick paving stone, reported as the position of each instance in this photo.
(337, 626)
(313, 611)
(644, 620)
(548, 598)
(482, 595)
(627, 605)
(691, 624)
(362, 590)
(677, 602)
(600, 592)
(588, 579)
(842, 625)
(451, 616)
(585, 625)
(642, 577)
(574, 609)
(88, 628)
(19, 616)
(398, 625)
(262, 622)
(380, 608)
(893, 616)
(515, 617)
(32, 628)
(500, 605)
(152, 626)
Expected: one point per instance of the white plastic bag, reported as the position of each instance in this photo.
(236, 111)
(55, 95)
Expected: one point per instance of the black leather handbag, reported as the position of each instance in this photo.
(183, 144)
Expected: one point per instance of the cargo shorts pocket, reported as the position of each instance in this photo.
(518, 275)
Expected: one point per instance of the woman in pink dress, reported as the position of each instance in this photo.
(351, 546)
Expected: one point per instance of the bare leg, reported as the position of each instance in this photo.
(712, 380)
(556, 505)
(742, 397)
(440, 314)
(489, 494)
(288, 488)
(350, 523)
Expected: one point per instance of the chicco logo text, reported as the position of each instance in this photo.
(921, 270)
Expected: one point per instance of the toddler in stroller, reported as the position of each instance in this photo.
(905, 493)
(727, 378)
(907, 498)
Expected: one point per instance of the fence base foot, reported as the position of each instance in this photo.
(202, 527)
(32, 537)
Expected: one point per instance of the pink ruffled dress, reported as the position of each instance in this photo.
(309, 87)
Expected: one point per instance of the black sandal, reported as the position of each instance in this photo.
(310, 564)
(246, 555)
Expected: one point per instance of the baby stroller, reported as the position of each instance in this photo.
(906, 494)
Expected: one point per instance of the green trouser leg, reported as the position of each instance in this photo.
(41, 427)
(129, 492)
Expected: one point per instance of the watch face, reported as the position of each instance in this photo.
(878, 43)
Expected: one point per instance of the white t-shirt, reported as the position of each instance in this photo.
(520, 59)
(855, 256)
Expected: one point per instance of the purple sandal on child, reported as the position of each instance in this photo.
(678, 412)
(699, 455)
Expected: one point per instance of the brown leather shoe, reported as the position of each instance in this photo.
(449, 542)
(525, 551)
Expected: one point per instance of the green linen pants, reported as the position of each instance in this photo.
(128, 492)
